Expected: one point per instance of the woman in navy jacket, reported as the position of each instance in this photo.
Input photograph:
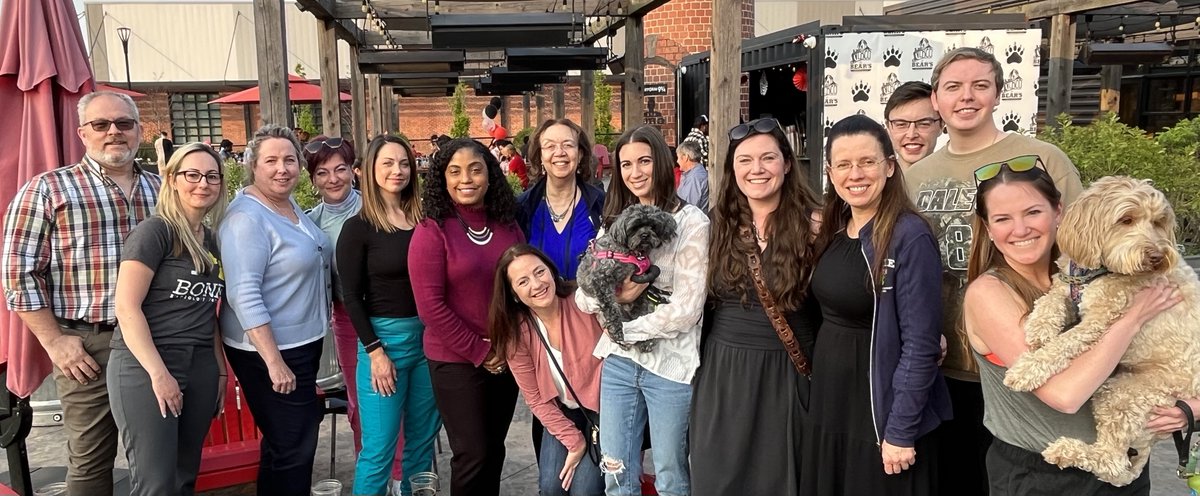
(876, 389)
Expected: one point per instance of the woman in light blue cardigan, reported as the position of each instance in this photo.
(278, 290)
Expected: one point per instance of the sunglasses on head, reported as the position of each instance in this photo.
(764, 125)
(314, 146)
(1019, 164)
(102, 125)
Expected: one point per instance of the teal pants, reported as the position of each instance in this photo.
(411, 407)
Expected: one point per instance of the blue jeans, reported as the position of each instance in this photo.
(588, 481)
(629, 396)
(381, 416)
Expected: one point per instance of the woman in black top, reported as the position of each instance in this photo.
(393, 376)
(750, 401)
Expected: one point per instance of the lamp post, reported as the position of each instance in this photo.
(123, 33)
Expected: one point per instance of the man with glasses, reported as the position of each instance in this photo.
(966, 86)
(62, 244)
(912, 123)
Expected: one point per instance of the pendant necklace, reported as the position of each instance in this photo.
(480, 237)
(559, 217)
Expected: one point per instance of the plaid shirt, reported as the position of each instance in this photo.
(62, 240)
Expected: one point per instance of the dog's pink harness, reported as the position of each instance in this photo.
(642, 262)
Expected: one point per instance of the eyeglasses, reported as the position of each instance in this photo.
(567, 146)
(194, 176)
(314, 146)
(102, 125)
(922, 124)
(866, 165)
(1019, 164)
(764, 125)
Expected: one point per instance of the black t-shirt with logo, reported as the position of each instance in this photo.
(181, 304)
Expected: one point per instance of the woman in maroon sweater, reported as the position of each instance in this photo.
(470, 219)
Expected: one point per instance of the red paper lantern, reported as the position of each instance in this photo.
(800, 78)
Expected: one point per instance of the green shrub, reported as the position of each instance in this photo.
(1107, 147)
(458, 104)
(514, 182)
(521, 137)
(605, 133)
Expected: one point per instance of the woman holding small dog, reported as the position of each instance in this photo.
(653, 385)
(750, 397)
(876, 389)
(1019, 207)
(470, 219)
(548, 344)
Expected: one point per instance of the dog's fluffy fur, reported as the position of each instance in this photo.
(638, 230)
(1128, 227)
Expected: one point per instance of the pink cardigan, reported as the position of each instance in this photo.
(532, 370)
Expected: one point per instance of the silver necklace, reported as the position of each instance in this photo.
(559, 217)
(757, 237)
(480, 237)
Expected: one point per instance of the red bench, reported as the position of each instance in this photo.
(230, 455)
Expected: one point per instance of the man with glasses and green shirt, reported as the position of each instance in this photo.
(62, 245)
(912, 124)
(966, 87)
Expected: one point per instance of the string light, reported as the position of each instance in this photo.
(1158, 23)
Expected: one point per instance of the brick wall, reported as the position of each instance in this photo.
(673, 31)
(422, 117)
(155, 109)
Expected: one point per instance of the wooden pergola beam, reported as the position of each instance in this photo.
(415, 13)
(269, 30)
(331, 113)
(636, 8)
(323, 10)
(1062, 61)
(1041, 9)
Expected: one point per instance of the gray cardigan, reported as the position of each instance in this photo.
(275, 273)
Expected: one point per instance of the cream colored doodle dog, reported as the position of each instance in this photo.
(1116, 239)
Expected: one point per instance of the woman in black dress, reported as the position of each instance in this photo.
(750, 400)
(876, 390)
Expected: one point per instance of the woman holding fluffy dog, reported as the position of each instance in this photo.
(877, 392)
(639, 386)
(750, 397)
(1019, 207)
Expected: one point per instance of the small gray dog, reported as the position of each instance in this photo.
(624, 252)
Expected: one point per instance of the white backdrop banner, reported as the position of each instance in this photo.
(863, 69)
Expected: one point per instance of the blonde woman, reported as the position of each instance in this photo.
(165, 371)
(392, 373)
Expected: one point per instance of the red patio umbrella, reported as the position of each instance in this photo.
(44, 72)
(123, 91)
(299, 90)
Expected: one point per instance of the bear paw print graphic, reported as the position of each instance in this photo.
(828, 125)
(891, 57)
(830, 58)
(1011, 122)
(1013, 53)
(861, 91)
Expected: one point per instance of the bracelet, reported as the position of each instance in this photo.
(375, 345)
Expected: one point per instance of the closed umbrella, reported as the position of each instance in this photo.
(44, 72)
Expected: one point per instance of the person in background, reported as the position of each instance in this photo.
(301, 135)
(225, 151)
(397, 407)
(967, 83)
(166, 368)
(470, 219)
(699, 134)
(912, 123)
(750, 400)
(163, 148)
(62, 246)
(516, 165)
(1019, 209)
(548, 343)
(877, 393)
(693, 184)
(278, 293)
(652, 383)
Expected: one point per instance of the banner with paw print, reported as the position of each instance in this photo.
(861, 70)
